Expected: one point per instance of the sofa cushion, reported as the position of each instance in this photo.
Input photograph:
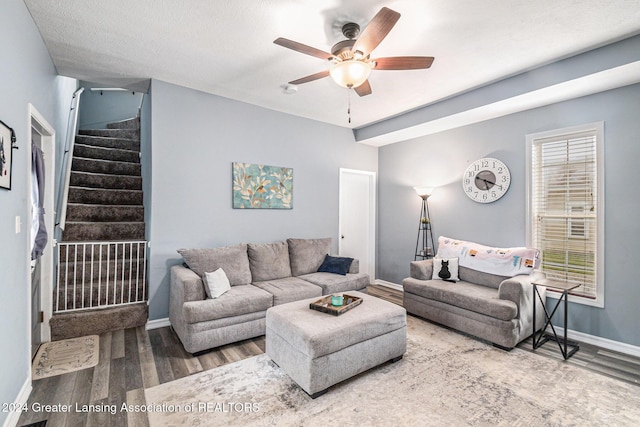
(307, 254)
(336, 265)
(289, 289)
(476, 298)
(480, 278)
(233, 259)
(333, 283)
(238, 300)
(269, 261)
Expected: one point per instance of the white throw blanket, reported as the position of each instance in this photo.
(499, 261)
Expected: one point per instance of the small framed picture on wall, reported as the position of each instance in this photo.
(6, 156)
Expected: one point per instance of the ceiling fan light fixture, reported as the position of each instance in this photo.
(350, 73)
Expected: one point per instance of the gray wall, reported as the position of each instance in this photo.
(441, 158)
(26, 76)
(196, 137)
(145, 157)
(97, 109)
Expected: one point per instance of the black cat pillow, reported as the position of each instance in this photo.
(445, 269)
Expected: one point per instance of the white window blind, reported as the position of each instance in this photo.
(564, 203)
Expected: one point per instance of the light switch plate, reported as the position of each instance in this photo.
(18, 224)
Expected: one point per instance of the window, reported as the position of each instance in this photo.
(565, 207)
(577, 223)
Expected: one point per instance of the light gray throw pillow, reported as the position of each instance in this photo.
(216, 283)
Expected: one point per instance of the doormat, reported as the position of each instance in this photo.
(60, 357)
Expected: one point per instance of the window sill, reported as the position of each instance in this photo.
(593, 302)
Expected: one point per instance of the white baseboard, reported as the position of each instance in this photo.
(389, 284)
(21, 399)
(605, 343)
(157, 323)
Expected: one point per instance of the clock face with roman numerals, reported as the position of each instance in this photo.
(486, 180)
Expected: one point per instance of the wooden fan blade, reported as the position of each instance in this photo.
(303, 48)
(310, 78)
(364, 89)
(403, 63)
(376, 31)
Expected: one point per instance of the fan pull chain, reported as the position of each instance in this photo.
(349, 104)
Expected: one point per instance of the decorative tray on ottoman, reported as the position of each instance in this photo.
(324, 304)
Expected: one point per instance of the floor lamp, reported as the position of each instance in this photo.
(424, 248)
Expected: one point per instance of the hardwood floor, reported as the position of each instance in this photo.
(134, 359)
(610, 363)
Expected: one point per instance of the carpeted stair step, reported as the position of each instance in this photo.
(101, 153)
(102, 141)
(105, 166)
(90, 322)
(91, 298)
(104, 209)
(112, 133)
(100, 180)
(80, 212)
(101, 273)
(102, 231)
(100, 196)
(133, 123)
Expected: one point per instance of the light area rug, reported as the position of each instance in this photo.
(61, 357)
(444, 379)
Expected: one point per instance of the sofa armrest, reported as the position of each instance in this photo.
(422, 270)
(355, 267)
(519, 289)
(188, 285)
(185, 286)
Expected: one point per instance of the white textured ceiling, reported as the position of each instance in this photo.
(226, 47)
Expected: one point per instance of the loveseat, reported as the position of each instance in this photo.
(261, 275)
(494, 307)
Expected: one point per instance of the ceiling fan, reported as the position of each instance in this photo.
(351, 58)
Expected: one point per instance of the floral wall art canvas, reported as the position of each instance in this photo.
(262, 187)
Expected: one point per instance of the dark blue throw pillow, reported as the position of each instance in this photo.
(334, 264)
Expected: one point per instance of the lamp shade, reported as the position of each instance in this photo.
(350, 73)
(423, 192)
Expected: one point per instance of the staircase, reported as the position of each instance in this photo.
(102, 254)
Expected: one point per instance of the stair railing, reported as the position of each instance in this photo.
(67, 157)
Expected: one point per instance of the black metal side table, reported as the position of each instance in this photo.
(563, 343)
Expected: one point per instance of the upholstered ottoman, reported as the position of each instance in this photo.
(318, 350)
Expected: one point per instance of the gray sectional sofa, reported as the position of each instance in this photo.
(261, 276)
(495, 308)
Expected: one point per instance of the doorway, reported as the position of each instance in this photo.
(42, 135)
(357, 218)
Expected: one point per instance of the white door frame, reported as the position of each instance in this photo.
(372, 212)
(48, 139)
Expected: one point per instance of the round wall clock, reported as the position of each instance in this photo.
(486, 180)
